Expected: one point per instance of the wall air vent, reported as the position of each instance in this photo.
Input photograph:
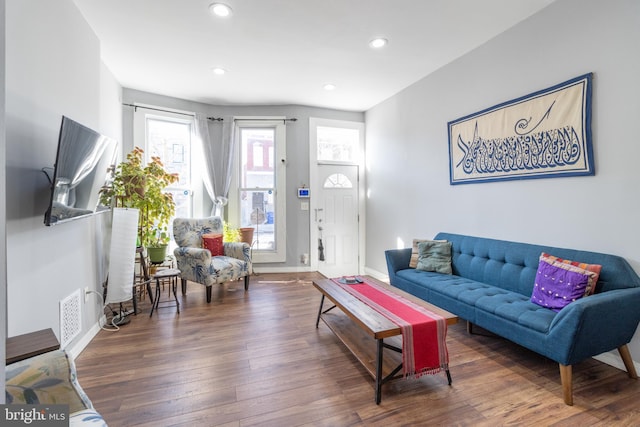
(70, 318)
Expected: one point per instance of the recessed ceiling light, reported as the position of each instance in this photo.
(329, 86)
(219, 71)
(220, 9)
(378, 42)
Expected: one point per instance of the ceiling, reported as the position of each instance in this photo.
(281, 52)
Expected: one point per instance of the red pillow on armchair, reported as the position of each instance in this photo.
(213, 242)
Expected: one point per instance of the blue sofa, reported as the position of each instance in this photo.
(491, 286)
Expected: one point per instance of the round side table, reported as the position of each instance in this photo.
(170, 274)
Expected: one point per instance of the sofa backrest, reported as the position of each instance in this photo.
(513, 265)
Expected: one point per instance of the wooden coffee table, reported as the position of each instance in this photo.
(356, 323)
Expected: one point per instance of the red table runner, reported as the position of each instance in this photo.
(424, 349)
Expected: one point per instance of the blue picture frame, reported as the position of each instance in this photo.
(541, 135)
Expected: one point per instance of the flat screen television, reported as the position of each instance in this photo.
(83, 165)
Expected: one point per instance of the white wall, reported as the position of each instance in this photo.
(407, 145)
(53, 68)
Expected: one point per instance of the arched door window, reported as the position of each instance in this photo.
(337, 180)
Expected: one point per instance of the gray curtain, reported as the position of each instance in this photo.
(218, 142)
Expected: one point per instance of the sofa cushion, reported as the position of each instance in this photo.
(227, 268)
(434, 256)
(526, 314)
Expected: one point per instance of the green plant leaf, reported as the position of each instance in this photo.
(140, 186)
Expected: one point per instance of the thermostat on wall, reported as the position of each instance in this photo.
(303, 193)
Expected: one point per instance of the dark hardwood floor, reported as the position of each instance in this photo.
(256, 358)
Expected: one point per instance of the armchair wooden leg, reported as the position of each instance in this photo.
(567, 383)
(209, 293)
(184, 286)
(246, 282)
(628, 361)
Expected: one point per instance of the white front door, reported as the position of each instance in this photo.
(336, 220)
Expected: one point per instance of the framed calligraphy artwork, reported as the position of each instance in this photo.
(540, 135)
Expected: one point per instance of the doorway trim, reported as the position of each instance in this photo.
(315, 186)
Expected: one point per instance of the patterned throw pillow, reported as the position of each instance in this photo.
(214, 243)
(591, 270)
(413, 263)
(434, 256)
(559, 282)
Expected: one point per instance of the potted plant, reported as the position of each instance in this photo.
(230, 233)
(242, 234)
(140, 186)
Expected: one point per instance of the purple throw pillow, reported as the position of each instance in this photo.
(556, 287)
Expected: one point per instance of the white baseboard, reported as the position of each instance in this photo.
(302, 269)
(376, 274)
(75, 349)
(613, 358)
(307, 269)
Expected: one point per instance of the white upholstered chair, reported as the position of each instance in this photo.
(196, 263)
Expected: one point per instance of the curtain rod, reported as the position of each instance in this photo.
(135, 107)
(285, 120)
(215, 119)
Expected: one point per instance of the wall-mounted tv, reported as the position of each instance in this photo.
(82, 167)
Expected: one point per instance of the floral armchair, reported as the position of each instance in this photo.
(196, 263)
